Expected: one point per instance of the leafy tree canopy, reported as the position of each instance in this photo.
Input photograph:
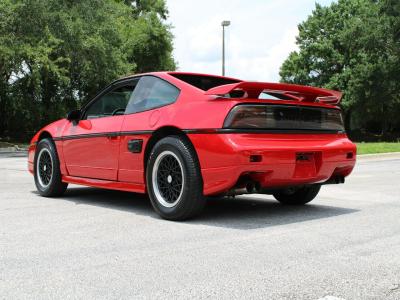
(353, 46)
(56, 54)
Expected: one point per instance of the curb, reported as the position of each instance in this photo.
(8, 149)
(13, 150)
(387, 155)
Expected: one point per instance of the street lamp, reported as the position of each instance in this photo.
(224, 24)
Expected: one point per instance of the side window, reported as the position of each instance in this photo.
(151, 92)
(112, 103)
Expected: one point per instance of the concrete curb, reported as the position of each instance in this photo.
(8, 149)
(14, 150)
(379, 156)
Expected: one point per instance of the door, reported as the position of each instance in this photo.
(91, 146)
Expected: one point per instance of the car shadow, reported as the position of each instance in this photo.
(244, 212)
(259, 211)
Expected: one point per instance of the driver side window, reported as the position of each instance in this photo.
(111, 103)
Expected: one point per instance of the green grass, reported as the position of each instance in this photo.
(369, 148)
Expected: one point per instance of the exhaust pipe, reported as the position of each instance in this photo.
(248, 188)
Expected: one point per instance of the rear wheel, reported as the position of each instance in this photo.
(174, 180)
(297, 196)
(47, 170)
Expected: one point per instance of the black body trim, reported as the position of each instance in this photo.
(137, 132)
(199, 131)
(103, 134)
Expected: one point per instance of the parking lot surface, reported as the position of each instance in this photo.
(94, 243)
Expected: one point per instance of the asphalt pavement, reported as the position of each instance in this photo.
(98, 244)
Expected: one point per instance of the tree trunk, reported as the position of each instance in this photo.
(384, 122)
(347, 120)
(3, 109)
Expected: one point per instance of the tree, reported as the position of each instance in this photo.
(352, 45)
(151, 46)
(55, 55)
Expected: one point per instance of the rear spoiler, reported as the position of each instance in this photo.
(293, 91)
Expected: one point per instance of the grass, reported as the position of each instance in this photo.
(369, 148)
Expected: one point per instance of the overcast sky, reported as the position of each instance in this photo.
(261, 35)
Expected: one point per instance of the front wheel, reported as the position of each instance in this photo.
(174, 181)
(297, 196)
(47, 170)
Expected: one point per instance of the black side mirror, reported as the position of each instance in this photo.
(74, 115)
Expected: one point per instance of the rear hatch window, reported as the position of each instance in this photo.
(203, 82)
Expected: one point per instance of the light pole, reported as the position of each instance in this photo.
(224, 24)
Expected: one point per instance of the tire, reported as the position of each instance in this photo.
(173, 179)
(297, 196)
(47, 170)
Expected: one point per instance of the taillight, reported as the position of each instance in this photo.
(246, 116)
(284, 117)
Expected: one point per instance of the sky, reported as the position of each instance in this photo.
(261, 35)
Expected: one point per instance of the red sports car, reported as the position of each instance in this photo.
(182, 136)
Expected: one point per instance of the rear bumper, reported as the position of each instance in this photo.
(272, 160)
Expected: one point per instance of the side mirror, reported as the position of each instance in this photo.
(74, 115)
